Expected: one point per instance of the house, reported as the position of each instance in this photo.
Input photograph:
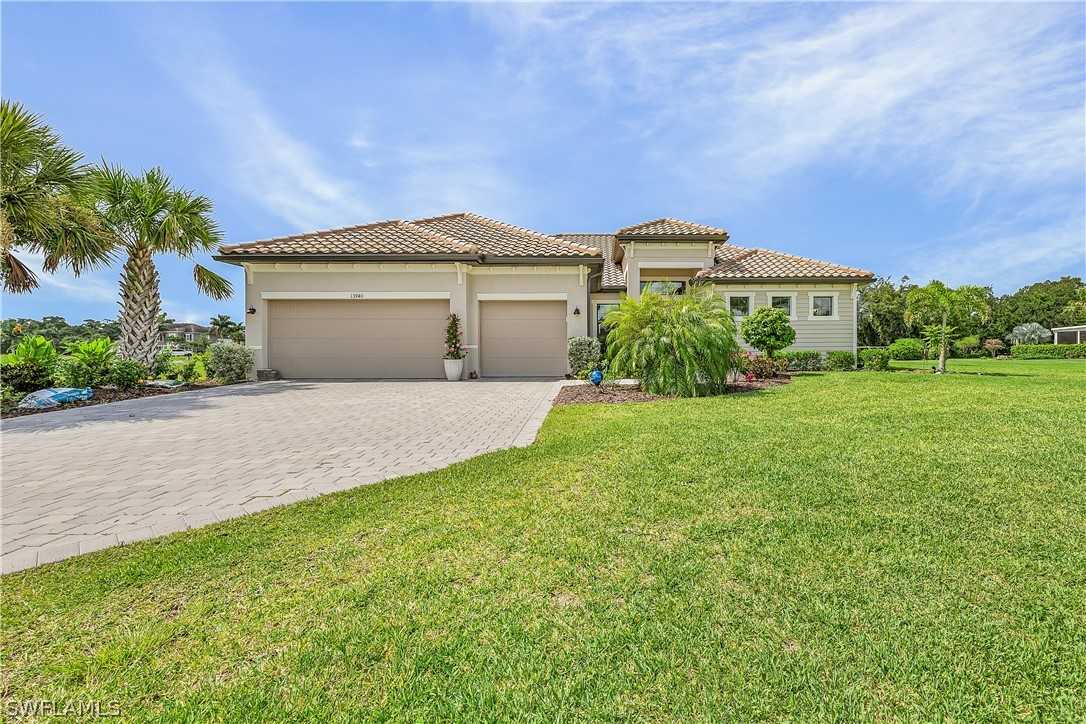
(371, 300)
(187, 331)
(1069, 335)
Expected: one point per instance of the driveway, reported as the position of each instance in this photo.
(81, 480)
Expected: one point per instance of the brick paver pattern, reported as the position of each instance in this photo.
(81, 480)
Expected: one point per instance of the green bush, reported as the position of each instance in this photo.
(9, 398)
(125, 374)
(1049, 351)
(26, 376)
(907, 349)
(678, 344)
(74, 372)
(96, 353)
(36, 350)
(584, 354)
(803, 360)
(230, 363)
(967, 346)
(840, 360)
(875, 360)
(763, 366)
(768, 330)
(193, 369)
(163, 364)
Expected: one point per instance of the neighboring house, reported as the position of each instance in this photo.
(1069, 335)
(371, 300)
(187, 331)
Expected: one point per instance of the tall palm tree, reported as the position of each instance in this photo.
(943, 307)
(45, 205)
(147, 215)
(222, 326)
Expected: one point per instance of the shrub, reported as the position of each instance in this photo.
(967, 346)
(162, 365)
(584, 354)
(454, 339)
(74, 373)
(993, 346)
(678, 344)
(193, 369)
(9, 398)
(906, 349)
(803, 360)
(1049, 351)
(763, 366)
(26, 376)
(97, 353)
(875, 360)
(768, 330)
(230, 363)
(1029, 333)
(36, 350)
(125, 374)
(840, 360)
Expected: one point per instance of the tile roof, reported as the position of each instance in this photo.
(454, 234)
(613, 278)
(670, 227)
(737, 263)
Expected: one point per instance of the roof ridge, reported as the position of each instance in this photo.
(681, 222)
(529, 232)
(467, 247)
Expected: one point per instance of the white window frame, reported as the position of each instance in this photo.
(728, 296)
(793, 313)
(836, 306)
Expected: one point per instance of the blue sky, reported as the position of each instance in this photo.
(931, 140)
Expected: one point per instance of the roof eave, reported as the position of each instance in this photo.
(787, 280)
(238, 259)
(720, 238)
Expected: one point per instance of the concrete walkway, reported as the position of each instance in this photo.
(81, 480)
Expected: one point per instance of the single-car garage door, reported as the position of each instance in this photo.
(522, 339)
(345, 338)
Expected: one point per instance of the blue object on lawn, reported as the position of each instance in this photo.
(596, 377)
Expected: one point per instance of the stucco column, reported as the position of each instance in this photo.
(633, 278)
(459, 304)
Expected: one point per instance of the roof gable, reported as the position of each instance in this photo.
(671, 228)
(737, 263)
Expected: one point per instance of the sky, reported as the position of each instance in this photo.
(930, 140)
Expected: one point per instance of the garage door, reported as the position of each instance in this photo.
(344, 338)
(523, 339)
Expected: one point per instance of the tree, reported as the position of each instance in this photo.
(222, 326)
(147, 215)
(45, 205)
(881, 312)
(676, 344)
(1044, 302)
(950, 309)
(768, 330)
(1030, 333)
(1075, 311)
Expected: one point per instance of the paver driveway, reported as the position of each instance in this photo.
(85, 479)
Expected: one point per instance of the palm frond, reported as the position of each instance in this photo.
(18, 278)
(211, 284)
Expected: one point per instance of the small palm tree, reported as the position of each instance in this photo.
(147, 215)
(943, 307)
(222, 326)
(1030, 333)
(45, 206)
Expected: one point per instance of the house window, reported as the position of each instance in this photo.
(821, 306)
(740, 306)
(662, 287)
(188, 337)
(601, 312)
(781, 302)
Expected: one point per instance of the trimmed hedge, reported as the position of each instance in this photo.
(840, 360)
(1049, 351)
(802, 360)
(875, 360)
(906, 348)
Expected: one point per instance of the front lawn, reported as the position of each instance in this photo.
(849, 546)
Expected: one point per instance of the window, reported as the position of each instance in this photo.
(781, 302)
(601, 312)
(821, 306)
(740, 306)
(662, 287)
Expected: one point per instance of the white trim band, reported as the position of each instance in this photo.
(524, 297)
(359, 295)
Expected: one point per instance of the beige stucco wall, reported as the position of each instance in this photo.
(657, 256)
(463, 285)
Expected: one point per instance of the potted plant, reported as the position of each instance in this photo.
(454, 348)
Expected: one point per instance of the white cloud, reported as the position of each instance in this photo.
(100, 285)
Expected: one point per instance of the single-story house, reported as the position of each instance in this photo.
(1069, 335)
(372, 300)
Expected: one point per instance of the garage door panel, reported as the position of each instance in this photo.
(523, 339)
(357, 338)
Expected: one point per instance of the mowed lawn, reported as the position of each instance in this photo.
(851, 546)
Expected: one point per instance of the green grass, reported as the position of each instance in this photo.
(851, 546)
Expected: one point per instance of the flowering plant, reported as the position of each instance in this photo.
(454, 346)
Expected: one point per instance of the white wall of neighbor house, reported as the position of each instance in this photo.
(464, 286)
(834, 332)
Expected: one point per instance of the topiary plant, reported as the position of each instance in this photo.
(584, 354)
(768, 330)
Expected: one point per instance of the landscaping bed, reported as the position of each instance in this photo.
(104, 395)
(612, 394)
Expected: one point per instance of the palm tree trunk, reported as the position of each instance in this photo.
(943, 347)
(140, 307)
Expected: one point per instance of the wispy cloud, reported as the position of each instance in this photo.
(98, 286)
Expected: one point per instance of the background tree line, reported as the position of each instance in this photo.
(882, 307)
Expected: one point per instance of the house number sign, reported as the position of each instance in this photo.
(357, 295)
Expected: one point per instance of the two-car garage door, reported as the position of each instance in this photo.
(397, 338)
(346, 338)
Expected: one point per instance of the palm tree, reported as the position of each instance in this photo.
(222, 326)
(147, 215)
(45, 209)
(944, 307)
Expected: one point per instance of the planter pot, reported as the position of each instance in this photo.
(454, 368)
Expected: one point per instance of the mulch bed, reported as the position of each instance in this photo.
(103, 396)
(613, 394)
